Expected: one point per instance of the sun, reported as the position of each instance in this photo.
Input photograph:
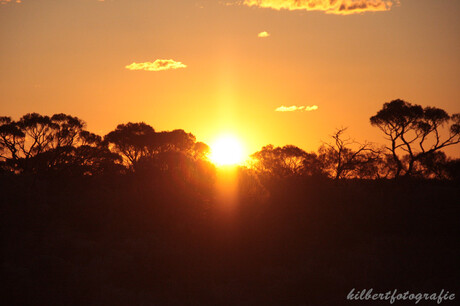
(227, 150)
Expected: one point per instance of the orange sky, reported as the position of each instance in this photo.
(71, 56)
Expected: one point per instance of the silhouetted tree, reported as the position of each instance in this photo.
(176, 140)
(341, 161)
(139, 143)
(433, 166)
(132, 141)
(37, 143)
(453, 169)
(312, 165)
(375, 166)
(282, 161)
(10, 137)
(67, 130)
(65, 135)
(415, 130)
(91, 157)
(201, 150)
(39, 133)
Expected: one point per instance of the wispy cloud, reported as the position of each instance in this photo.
(295, 108)
(340, 7)
(20, 1)
(8, 1)
(158, 65)
(263, 34)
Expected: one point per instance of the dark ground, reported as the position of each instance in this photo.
(131, 240)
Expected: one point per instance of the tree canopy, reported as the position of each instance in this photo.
(415, 131)
(416, 136)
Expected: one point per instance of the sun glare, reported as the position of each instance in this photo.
(227, 150)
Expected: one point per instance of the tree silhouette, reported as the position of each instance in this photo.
(415, 130)
(340, 160)
(67, 130)
(282, 161)
(432, 165)
(143, 148)
(201, 150)
(176, 140)
(39, 134)
(37, 143)
(375, 165)
(10, 137)
(132, 141)
(60, 143)
(92, 156)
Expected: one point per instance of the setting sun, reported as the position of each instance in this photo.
(227, 150)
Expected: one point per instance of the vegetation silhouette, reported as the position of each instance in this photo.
(133, 217)
(416, 131)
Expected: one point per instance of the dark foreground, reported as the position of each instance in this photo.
(129, 240)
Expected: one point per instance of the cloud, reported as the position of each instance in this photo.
(20, 1)
(294, 108)
(340, 7)
(263, 34)
(157, 65)
(311, 108)
(8, 1)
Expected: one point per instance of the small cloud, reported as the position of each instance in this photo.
(8, 1)
(287, 108)
(339, 7)
(263, 34)
(157, 65)
(294, 108)
(311, 108)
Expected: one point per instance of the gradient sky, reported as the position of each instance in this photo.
(71, 56)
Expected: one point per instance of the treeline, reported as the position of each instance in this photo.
(61, 144)
(135, 218)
